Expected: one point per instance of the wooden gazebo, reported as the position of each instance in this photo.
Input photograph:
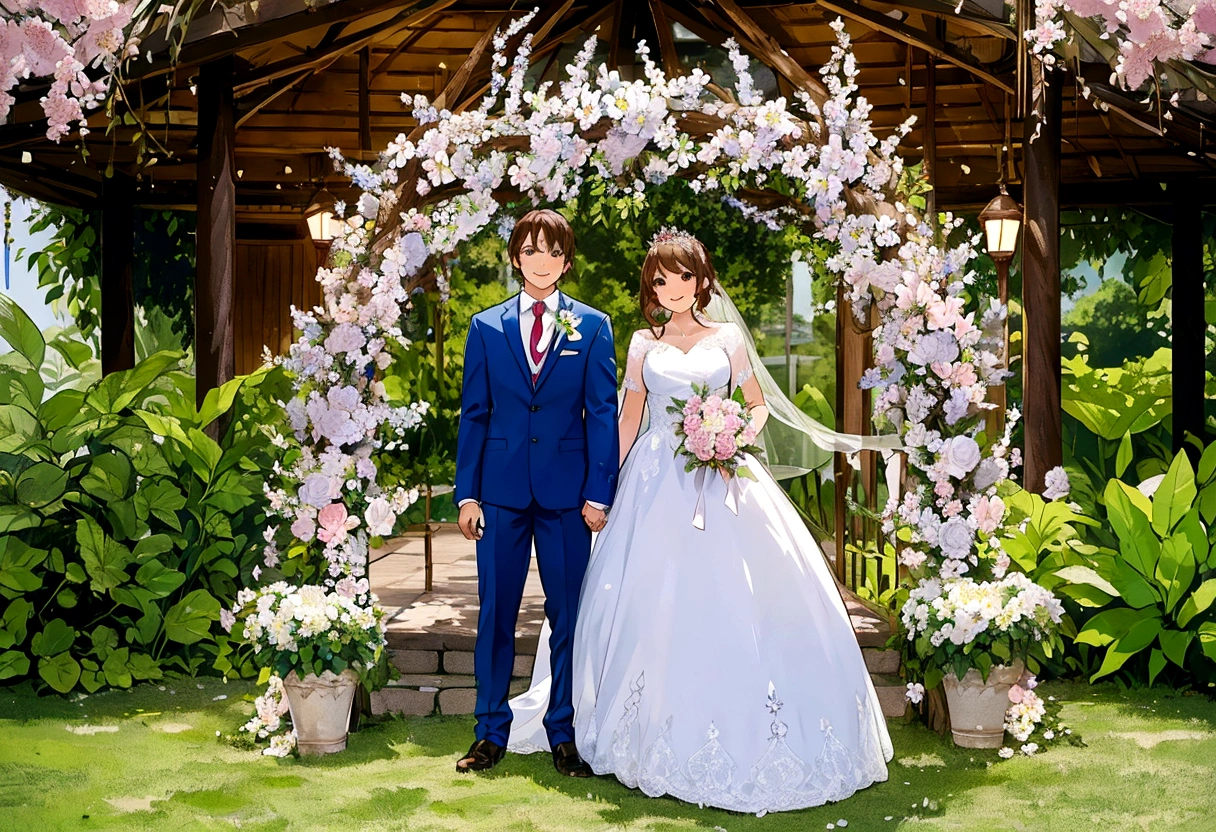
(237, 128)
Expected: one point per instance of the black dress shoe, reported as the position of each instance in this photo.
(483, 755)
(568, 762)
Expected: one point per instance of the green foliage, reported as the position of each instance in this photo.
(1115, 325)
(1154, 588)
(162, 278)
(123, 526)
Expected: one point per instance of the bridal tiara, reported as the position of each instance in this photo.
(671, 234)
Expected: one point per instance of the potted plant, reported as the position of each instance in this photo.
(323, 643)
(973, 638)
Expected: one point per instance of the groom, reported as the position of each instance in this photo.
(536, 462)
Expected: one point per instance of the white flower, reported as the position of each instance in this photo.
(569, 322)
(380, 517)
(959, 455)
(955, 538)
(915, 692)
(1005, 753)
(1055, 484)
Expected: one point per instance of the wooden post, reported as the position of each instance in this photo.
(365, 100)
(854, 352)
(1188, 315)
(117, 260)
(216, 235)
(1041, 281)
(930, 137)
(791, 367)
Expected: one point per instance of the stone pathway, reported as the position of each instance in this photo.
(431, 635)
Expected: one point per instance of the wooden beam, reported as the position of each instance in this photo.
(342, 46)
(673, 67)
(772, 52)
(265, 97)
(454, 88)
(1041, 282)
(222, 44)
(117, 262)
(216, 233)
(920, 39)
(1189, 326)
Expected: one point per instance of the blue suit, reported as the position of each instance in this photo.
(532, 455)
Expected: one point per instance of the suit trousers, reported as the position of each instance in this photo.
(563, 548)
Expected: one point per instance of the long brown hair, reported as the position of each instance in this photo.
(681, 255)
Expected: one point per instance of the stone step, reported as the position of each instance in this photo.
(881, 661)
(424, 695)
(891, 691)
(412, 661)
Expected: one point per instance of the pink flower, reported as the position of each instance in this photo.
(988, 513)
(335, 522)
(304, 528)
(692, 424)
(725, 448)
(692, 406)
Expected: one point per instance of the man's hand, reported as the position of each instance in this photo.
(470, 515)
(595, 518)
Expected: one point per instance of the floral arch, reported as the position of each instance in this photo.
(813, 163)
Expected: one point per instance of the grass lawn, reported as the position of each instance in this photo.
(149, 758)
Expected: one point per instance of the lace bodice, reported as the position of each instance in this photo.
(665, 372)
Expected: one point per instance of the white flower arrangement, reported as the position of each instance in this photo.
(569, 322)
(960, 623)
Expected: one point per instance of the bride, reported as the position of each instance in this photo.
(714, 660)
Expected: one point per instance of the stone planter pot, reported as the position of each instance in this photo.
(320, 709)
(977, 708)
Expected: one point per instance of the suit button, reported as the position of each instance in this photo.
(535, 408)
(534, 440)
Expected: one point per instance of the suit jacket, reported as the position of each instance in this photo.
(554, 442)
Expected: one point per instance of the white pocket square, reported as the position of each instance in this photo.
(568, 352)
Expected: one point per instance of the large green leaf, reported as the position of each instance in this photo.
(18, 427)
(15, 619)
(1141, 635)
(105, 558)
(1207, 464)
(1176, 569)
(56, 637)
(1133, 587)
(1111, 625)
(1085, 575)
(203, 454)
(119, 390)
(110, 478)
(1174, 644)
(189, 620)
(41, 484)
(1174, 495)
(17, 563)
(1129, 512)
(219, 400)
(13, 663)
(21, 333)
(15, 518)
(157, 579)
(1197, 602)
(61, 672)
(61, 409)
(1207, 639)
(115, 668)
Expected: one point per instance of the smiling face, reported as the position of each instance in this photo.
(676, 277)
(540, 263)
(676, 291)
(541, 248)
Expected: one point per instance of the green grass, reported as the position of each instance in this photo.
(1149, 764)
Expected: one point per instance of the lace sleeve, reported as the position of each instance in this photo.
(639, 345)
(740, 365)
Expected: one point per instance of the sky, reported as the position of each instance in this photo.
(24, 284)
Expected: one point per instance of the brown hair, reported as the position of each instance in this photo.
(553, 225)
(678, 256)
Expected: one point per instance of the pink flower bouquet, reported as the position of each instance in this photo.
(715, 432)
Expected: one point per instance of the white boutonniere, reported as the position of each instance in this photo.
(569, 322)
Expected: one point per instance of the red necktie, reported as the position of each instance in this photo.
(538, 356)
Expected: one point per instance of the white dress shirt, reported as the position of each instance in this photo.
(548, 324)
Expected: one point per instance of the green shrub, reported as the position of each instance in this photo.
(1154, 592)
(124, 527)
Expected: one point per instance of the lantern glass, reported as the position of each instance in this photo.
(322, 226)
(1002, 236)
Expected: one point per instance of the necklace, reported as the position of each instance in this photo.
(683, 334)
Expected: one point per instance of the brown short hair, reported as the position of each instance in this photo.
(557, 231)
(678, 256)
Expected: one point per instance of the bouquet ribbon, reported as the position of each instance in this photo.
(733, 494)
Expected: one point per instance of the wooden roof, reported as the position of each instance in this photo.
(305, 79)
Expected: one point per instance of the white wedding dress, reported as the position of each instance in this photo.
(716, 666)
